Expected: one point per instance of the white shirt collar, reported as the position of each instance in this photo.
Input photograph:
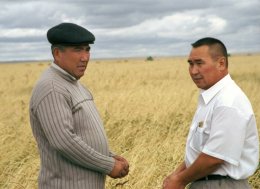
(208, 94)
(63, 71)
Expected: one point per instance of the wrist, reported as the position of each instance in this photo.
(179, 178)
(112, 166)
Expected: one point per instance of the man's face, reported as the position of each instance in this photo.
(204, 70)
(73, 59)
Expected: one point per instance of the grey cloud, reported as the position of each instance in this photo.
(130, 28)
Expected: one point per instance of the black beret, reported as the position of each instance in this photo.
(69, 34)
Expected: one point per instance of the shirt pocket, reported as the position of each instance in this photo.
(199, 136)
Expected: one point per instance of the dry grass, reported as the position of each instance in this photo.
(146, 108)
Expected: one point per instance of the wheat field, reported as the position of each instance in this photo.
(146, 107)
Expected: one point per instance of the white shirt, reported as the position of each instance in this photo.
(224, 127)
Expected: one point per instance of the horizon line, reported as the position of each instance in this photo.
(118, 58)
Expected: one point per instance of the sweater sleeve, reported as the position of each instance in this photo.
(55, 117)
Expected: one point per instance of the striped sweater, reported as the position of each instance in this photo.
(70, 135)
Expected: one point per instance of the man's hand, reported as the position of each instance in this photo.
(121, 167)
(204, 165)
(172, 182)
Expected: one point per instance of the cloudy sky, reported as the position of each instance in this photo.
(125, 28)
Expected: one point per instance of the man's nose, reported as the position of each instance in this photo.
(84, 56)
(194, 69)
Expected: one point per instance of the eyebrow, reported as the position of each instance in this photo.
(82, 47)
(195, 60)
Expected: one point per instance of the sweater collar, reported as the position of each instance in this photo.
(64, 73)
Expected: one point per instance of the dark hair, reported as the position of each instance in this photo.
(217, 48)
(61, 47)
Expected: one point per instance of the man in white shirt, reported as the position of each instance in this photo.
(222, 148)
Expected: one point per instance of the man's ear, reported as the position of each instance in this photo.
(222, 63)
(56, 54)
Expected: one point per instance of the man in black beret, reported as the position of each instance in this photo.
(69, 132)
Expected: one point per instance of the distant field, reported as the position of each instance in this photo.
(146, 107)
